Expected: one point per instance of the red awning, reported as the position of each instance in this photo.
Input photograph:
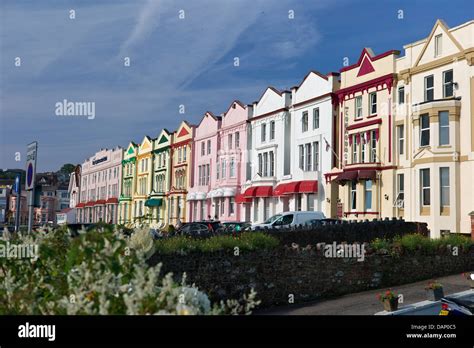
(347, 176)
(264, 191)
(100, 202)
(308, 186)
(89, 204)
(240, 198)
(287, 188)
(367, 174)
(250, 192)
(80, 205)
(112, 200)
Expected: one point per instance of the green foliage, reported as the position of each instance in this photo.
(417, 243)
(98, 272)
(244, 241)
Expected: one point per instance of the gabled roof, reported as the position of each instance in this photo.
(367, 52)
(439, 23)
(273, 89)
(233, 104)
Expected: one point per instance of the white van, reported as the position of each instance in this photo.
(290, 218)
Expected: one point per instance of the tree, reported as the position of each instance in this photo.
(67, 168)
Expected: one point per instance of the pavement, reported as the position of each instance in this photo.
(366, 303)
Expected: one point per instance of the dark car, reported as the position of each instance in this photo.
(213, 225)
(195, 229)
(320, 222)
(236, 227)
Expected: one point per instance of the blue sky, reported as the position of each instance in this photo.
(174, 61)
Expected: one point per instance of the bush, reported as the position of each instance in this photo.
(417, 243)
(98, 272)
(244, 241)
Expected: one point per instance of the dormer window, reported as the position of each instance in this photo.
(438, 45)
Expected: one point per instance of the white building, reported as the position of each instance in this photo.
(313, 111)
(269, 144)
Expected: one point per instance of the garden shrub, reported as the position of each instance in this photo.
(244, 241)
(98, 272)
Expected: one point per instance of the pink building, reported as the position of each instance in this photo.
(100, 187)
(203, 175)
(220, 166)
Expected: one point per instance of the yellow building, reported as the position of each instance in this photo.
(128, 184)
(435, 129)
(362, 185)
(181, 167)
(157, 199)
(144, 180)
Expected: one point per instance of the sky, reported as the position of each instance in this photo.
(182, 55)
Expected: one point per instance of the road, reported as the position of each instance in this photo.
(366, 303)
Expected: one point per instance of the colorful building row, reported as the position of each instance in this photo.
(388, 136)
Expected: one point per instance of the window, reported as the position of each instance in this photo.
(438, 47)
(222, 206)
(255, 210)
(200, 175)
(208, 174)
(316, 118)
(203, 151)
(301, 157)
(272, 130)
(203, 210)
(260, 164)
(354, 149)
(237, 139)
(208, 147)
(373, 103)
(368, 195)
(223, 169)
(447, 84)
(308, 157)
(401, 139)
(298, 202)
(401, 187)
(185, 153)
(263, 134)
(266, 209)
(231, 205)
(310, 201)
(304, 122)
(353, 195)
(362, 148)
(232, 168)
(218, 167)
(265, 164)
(179, 155)
(358, 106)
(373, 147)
(444, 186)
(443, 128)
(272, 164)
(229, 141)
(401, 95)
(429, 88)
(425, 130)
(316, 155)
(425, 187)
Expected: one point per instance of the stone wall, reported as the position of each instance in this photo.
(305, 273)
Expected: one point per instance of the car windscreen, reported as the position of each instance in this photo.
(273, 218)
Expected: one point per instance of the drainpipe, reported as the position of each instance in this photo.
(379, 177)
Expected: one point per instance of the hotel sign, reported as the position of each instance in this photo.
(100, 160)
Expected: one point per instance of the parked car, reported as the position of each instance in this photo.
(319, 222)
(195, 229)
(236, 227)
(289, 218)
(213, 225)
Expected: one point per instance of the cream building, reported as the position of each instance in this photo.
(435, 130)
(362, 185)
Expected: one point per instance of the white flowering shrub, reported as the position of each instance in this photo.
(100, 272)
